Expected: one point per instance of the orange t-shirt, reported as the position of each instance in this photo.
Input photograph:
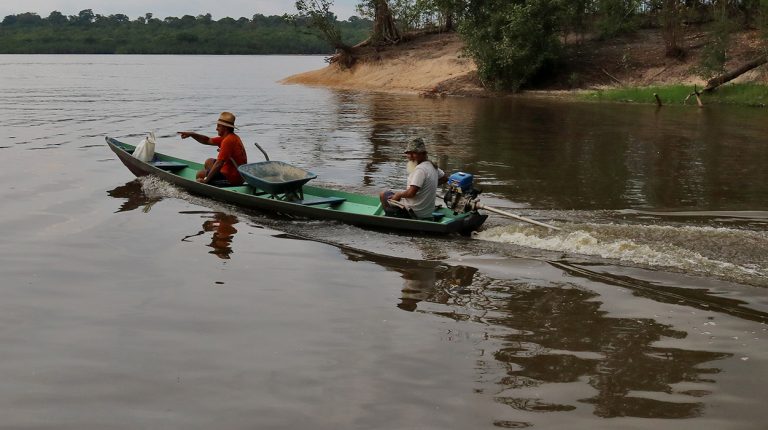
(231, 146)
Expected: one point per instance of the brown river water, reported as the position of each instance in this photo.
(131, 304)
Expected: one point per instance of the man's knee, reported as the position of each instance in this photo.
(384, 197)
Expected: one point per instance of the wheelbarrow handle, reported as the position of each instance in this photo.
(262, 150)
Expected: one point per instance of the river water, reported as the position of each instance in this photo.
(131, 304)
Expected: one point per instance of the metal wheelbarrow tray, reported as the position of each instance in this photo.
(276, 177)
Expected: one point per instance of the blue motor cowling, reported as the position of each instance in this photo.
(462, 181)
(460, 194)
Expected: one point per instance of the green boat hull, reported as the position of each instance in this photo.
(318, 203)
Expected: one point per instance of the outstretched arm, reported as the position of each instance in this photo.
(205, 140)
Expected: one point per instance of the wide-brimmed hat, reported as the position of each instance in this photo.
(416, 145)
(227, 119)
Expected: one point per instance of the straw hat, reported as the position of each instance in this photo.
(227, 119)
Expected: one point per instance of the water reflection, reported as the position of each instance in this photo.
(134, 195)
(426, 281)
(542, 336)
(697, 298)
(220, 224)
(386, 121)
(222, 227)
(561, 336)
(579, 155)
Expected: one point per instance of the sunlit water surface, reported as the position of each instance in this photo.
(132, 304)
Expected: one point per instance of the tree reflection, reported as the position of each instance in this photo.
(423, 281)
(560, 335)
(393, 119)
(579, 155)
(222, 227)
(569, 320)
(585, 156)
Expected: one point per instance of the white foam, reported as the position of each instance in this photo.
(654, 246)
(156, 187)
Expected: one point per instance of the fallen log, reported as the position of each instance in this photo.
(729, 76)
(613, 77)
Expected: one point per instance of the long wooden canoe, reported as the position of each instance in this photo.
(316, 202)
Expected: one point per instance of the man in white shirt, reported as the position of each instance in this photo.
(423, 178)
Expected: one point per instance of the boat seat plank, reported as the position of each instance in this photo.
(221, 183)
(169, 165)
(333, 201)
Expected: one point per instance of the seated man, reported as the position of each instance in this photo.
(418, 199)
(231, 152)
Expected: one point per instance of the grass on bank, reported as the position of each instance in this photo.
(735, 94)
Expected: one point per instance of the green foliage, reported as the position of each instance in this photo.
(412, 15)
(763, 19)
(714, 54)
(576, 16)
(674, 94)
(512, 41)
(738, 94)
(617, 17)
(408, 14)
(89, 33)
(317, 14)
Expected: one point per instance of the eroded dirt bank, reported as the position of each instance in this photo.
(435, 65)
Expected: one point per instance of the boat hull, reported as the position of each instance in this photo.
(354, 209)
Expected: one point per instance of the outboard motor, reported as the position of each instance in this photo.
(460, 195)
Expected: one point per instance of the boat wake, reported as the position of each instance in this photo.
(726, 253)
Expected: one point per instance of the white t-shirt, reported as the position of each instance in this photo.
(425, 177)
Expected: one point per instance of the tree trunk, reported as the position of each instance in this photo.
(344, 57)
(729, 76)
(449, 21)
(672, 29)
(384, 29)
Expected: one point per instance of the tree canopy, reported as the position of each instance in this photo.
(90, 33)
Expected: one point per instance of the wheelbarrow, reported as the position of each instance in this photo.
(278, 179)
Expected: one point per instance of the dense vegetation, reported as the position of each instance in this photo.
(89, 33)
(516, 41)
(513, 42)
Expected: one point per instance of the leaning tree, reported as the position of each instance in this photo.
(318, 15)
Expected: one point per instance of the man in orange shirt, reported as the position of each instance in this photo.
(231, 152)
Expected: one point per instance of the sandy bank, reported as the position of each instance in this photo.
(432, 65)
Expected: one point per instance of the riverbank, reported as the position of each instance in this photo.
(628, 69)
(430, 65)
